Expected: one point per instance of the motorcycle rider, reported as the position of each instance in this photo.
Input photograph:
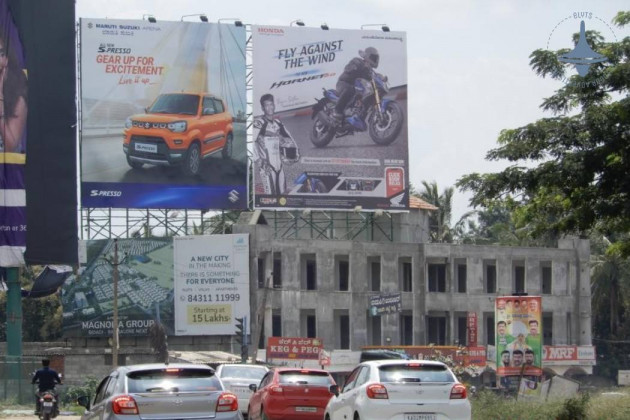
(46, 379)
(274, 147)
(358, 68)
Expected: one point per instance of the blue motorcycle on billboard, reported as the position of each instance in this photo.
(368, 111)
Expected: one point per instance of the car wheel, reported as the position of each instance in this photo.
(134, 164)
(192, 162)
(227, 149)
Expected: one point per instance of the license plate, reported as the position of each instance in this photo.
(420, 417)
(143, 147)
(48, 404)
(306, 409)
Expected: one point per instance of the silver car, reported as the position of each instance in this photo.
(161, 391)
(237, 379)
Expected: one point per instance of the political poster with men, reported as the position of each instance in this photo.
(518, 335)
(163, 115)
(330, 119)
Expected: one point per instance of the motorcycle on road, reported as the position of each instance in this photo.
(368, 110)
(48, 405)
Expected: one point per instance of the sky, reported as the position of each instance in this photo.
(468, 62)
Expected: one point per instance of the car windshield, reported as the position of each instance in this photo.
(415, 372)
(175, 104)
(242, 372)
(172, 380)
(305, 378)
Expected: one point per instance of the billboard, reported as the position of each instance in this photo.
(212, 283)
(300, 348)
(152, 274)
(163, 115)
(330, 119)
(518, 335)
(14, 110)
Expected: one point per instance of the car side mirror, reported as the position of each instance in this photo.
(84, 401)
(253, 387)
(334, 389)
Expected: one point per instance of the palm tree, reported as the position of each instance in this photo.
(610, 273)
(439, 220)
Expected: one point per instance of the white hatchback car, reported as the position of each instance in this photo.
(238, 377)
(400, 390)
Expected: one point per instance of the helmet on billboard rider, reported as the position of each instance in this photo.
(371, 56)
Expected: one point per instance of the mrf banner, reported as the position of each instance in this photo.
(518, 335)
(330, 119)
(163, 115)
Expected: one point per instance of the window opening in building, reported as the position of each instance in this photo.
(519, 278)
(277, 270)
(375, 275)
(461, 277)
(343, 274)
(436, 327)
(406, 279)
(490, 274)
(545, 274)
(437, 277)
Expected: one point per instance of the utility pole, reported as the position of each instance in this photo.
(115, 320)
(14, 322)
(115, 340)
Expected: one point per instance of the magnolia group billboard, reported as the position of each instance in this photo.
(163, 115)
(330, 119)
(518, 335)
(187, 290)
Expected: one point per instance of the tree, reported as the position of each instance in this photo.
(580, 178)
(439, 220)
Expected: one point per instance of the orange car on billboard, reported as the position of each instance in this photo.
(179, 129)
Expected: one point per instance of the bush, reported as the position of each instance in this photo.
(574, 408)
(71, 394)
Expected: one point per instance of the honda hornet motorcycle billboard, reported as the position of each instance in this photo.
(330, 119)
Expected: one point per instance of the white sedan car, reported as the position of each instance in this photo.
(238, 377)
(399, 390)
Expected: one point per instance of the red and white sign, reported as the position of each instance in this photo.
(300, 348)
(569, 355)
(472, 329)
(324, 358)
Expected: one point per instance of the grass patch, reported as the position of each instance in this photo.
(584, 406)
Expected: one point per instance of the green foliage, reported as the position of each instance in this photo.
(440, 219)
(569, 173)
(71, 393)
(42, 317)
(487, 405)
(575, 408)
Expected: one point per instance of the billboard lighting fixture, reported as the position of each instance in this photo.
(383, 26)
(202, 17)
(237, 21)
(298, 22)
(325, 26)
(150, 18)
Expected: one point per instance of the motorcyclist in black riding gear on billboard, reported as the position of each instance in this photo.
(46, 379)
(358, 68)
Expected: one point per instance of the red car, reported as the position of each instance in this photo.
(290, 394)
